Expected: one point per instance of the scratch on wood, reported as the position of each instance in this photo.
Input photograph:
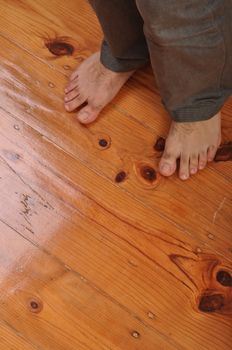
(24, 182)
(218, 209)
(28, 229)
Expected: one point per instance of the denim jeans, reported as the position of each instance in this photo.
(189, 44)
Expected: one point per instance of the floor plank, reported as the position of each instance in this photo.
(97, 250)
(40, 304)
(126, 154)
(173, 258)
(11, 339)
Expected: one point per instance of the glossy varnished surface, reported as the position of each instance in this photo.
(97, 250)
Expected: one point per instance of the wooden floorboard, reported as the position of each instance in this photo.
(131, 153)
(87, 262)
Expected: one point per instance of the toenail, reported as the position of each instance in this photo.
(165, 168)
(201, 166)
(184, 177)
(84, 114)
(193, 171)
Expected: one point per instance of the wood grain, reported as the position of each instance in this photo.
(97, 250)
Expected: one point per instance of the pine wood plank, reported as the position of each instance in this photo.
(92, 265)
(70, 313)
(140, 262)
(10, 339)
(36, 152)
(169, 197)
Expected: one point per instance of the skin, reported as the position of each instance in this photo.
(194, 143)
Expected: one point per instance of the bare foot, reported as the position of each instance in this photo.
(95, 84)
(194, 143)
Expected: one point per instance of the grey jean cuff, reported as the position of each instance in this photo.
(203, 110)
(121, 64)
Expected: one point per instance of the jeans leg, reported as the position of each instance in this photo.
(124, 47)
(190, 48)
(226, 28)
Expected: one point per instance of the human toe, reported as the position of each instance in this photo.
(184, 167)
(71, 86)
(193, 164)
(167, 165)
(74, 75)
(211, 153)
(75, 103)
(88, 114)
(71, 95)
(202, 160)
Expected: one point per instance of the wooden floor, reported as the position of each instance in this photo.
(98, 251)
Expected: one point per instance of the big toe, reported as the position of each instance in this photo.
(88, 114)
(167, 165)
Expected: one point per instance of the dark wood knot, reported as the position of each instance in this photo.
(211, 303)
(120, 177)
(148, 173)
(59, 47)
(35, 305)
(103, 143)
(224, 152)
(224, 278)
(160, 144)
